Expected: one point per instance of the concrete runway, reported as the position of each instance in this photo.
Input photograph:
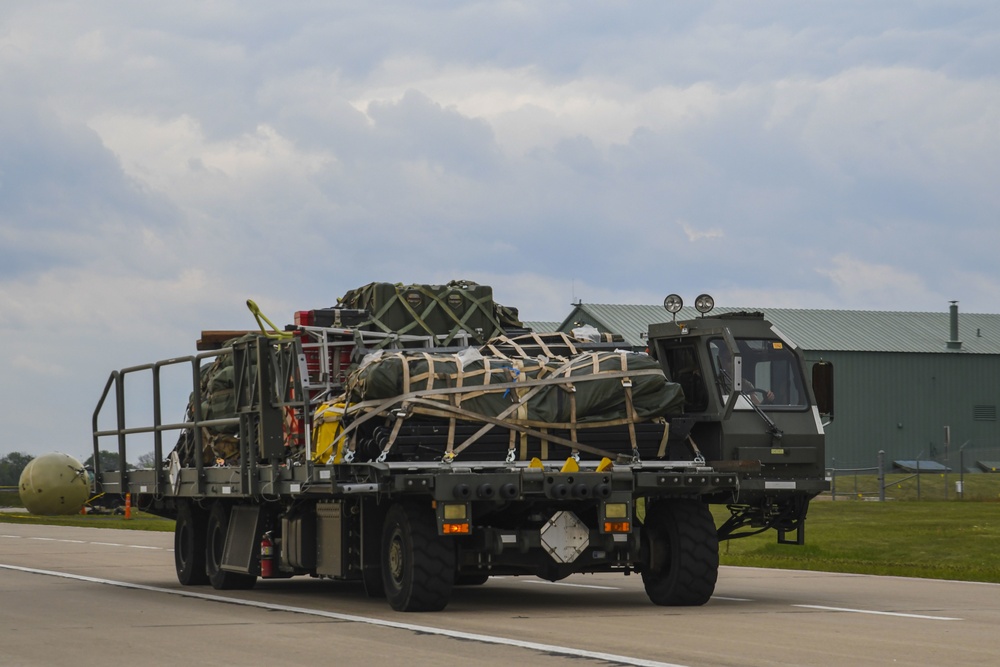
(87, 596)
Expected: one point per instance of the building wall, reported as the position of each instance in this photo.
(901, 402)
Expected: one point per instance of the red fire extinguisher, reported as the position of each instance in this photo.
(266, 556)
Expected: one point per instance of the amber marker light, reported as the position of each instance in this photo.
(617, 526)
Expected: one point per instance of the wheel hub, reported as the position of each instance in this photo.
(396, 559)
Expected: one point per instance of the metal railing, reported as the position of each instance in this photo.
(121, 431)
(925, 479)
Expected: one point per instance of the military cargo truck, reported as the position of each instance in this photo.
(453, 445)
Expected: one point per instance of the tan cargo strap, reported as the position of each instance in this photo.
(662, 451)
(521, 429)
(456, 402)
(629, 406)
(698, 456)
(517, 344)
(374, 408)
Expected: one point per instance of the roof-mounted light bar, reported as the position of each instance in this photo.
(704, 304)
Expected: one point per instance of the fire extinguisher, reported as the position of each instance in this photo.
(266, 556)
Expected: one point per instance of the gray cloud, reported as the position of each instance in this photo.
(162, 164)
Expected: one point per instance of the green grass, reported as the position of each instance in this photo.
(139, 521)
(931, 539)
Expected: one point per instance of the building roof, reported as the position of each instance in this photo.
(830, 330)
(539, 326)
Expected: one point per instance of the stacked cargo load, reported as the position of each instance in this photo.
(484, 404)
(446, 313)
(513, 396)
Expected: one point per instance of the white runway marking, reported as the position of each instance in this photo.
(878, 613)
(101, 544)
(562, 583)
(411, 627)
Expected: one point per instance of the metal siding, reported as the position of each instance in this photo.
(901, 403)
(843, 330)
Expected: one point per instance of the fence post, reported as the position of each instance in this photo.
(961, 472)
(881, 475)
(833, 478)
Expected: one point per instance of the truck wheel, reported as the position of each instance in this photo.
(215, 544)
(418, 566)
(681, 548)
(189, 545)
(372, 524)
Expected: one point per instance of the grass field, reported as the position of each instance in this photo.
(931, 539)
(927, 538)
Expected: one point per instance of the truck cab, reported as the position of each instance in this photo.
(749, 410)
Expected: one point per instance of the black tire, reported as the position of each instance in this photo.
(215, 543)
(189, 545)
(681, 553)
(418, 566)
(372, 523)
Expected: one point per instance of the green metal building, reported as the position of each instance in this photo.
(918, 385)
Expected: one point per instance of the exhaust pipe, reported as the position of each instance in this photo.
(953, 342)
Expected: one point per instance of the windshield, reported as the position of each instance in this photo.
(771, 374)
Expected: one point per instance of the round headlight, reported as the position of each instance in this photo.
(704, 303)
(673, 303)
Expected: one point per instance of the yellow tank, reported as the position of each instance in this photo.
(54, 484)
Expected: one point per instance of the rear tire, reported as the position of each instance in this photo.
(189, 545)
(681, 547)
(215, 544)
(372, 524)
(418, 565)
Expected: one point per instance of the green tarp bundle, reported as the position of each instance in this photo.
(442, 311)
(590, 388)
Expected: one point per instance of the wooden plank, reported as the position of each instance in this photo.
(214, 340)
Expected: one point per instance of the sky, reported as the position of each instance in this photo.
(160, 163)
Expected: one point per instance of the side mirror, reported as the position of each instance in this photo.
(822, 385)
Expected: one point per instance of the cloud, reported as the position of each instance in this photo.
(694, 235)
(161, 164)
(881, 285)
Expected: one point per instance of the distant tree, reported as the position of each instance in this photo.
(109, 462)
(11, 467)
(147, 460)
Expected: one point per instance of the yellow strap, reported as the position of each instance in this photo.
(278, 335)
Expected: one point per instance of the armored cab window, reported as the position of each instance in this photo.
(771, 377)
(683, 368)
